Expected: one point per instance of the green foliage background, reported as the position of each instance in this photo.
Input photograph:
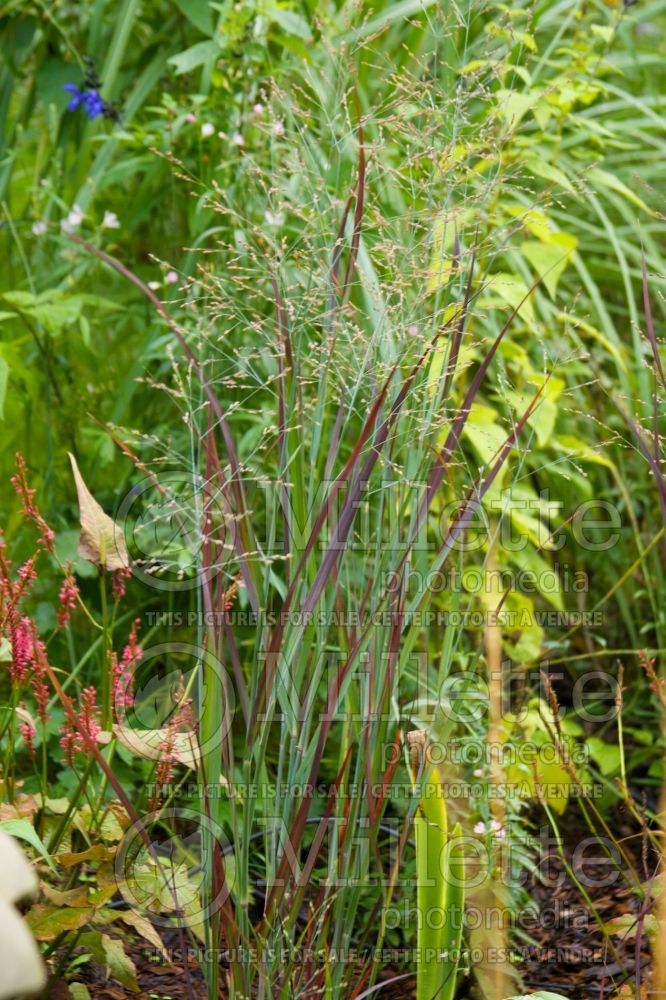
(529, 136)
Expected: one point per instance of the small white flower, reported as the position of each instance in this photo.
(110, 221)
(154, 285)
(412, 329)
(258, 108)
(189, 117)
(207, 129)
(273, 218)
(480, 828)
(237, 139)
(74, 219)
(171, 277)
(478, 773)
(497, 827)
(39, 227)
(278, 129)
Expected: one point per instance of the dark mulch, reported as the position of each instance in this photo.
(571, 954)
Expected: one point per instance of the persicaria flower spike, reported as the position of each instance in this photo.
(118, 582)
(22, 643)
(181, 720)
(82, 736)
(122, 672)
(28, 505)
(28, 733)
(69, 592)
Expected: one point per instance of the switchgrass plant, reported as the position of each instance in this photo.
(317, 531)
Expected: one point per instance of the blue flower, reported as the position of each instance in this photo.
(91, 100)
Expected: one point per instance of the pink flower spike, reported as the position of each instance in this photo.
(22, 640)
(28, 506)
(118, 582)
(28, 733)
(69, 592)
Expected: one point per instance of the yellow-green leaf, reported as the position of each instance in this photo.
(46, 922)
(549, 260)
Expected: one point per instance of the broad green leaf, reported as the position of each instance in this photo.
(543, 112)
(441, 258)
(606, 756)
(119, 964)
(79, 991)
(541, 995)
(291, 22)
(525, 39)
(549, 260)
(549, 778)
(24, 830)
(529, 561)
(511, 290)
(514, 104)
(53, 309)
(47, 922)
(199, 12)
(542, 167)
(542, 419)
(196, 55)
(441, 353)
(157, 888)
(110, 830)
(487, 437)
(110, 954)
(522, 622)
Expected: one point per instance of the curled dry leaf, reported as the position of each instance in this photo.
(148, 743)
(102, 541)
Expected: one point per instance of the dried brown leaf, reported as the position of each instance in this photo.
(102, 541)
